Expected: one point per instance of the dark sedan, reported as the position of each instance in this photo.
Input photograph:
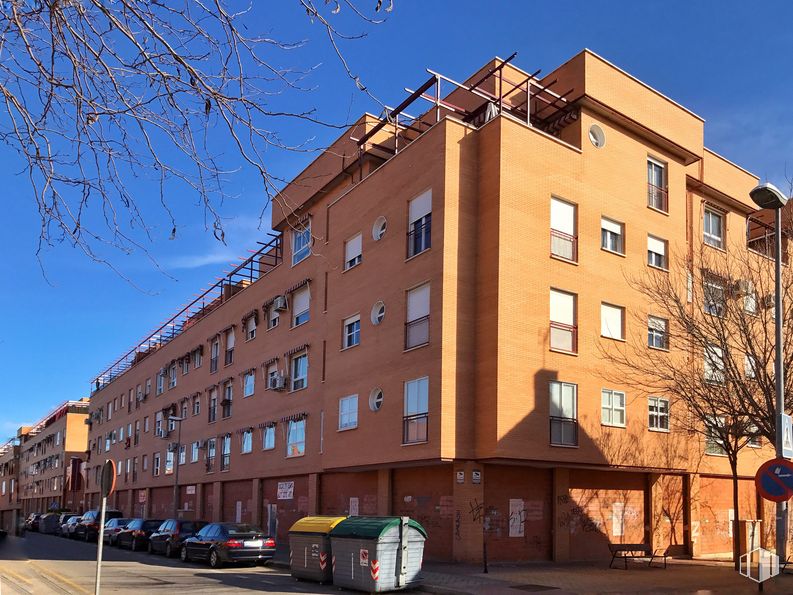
(222, 543)
(70, 526)
(168, 539)
(137, 532)
(32, 522)
(88, 527)
(112, 528)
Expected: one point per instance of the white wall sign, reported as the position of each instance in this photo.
(238, 512)
(190, 490)
(461, 477)
(353, 506)
(476, 476)
(286, 490)
(517, 514)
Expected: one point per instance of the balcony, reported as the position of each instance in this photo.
(564, 245)
(420, 236)
(564, 431)
(564, 337)
(414, 428)
(657, 198)
(417, 332)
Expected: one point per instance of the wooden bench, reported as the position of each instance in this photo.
(636, 551)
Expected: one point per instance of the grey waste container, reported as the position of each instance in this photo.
(309, 547)
(376, 554)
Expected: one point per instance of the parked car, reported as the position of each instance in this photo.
(48, 523)
(222, 543)
(32, 522)
(88, 528)
(170, 536)
(62, 519)
(137, 532)
(69, 527)
(112, 529)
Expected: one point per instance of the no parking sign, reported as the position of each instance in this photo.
(774, 480)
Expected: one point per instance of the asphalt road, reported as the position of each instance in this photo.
(44, 564)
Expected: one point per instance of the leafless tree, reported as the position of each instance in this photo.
(98, 95)
(709, 344)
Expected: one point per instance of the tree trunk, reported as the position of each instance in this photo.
(736, 517)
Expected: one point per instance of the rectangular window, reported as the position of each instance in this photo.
(352, 332)
(564, 414)
(612, 321)
(144, 462)
(185, 365)
(301, 242)
(749, 296)
(563, 333)
(213, 405)
(656, 252)
(657, 332)
(714, 295)
(612, 236)
(211, 449)
(247, 441)
(353, 251)
(139, 393)
(146, 424)
(416, 411)
(225, 453)
(564, 241)
(714, 364)
(172, 375)
(713, 227)
(194, 451)
(272, 317)
(657, 194)
(214, 354)
(198, 357)
(249, 382)
(268, 438)
(160, 383)
(714, 427)
(612, 408)
(182, 454)
(250, 328)
(750, 367)
(417, 325)
(158, 417)
(272, 376)
(147, 392)
(156, 464)
(196, 404)
(420, 224)
(228, 398)
(754, 439)
(299, 371)
(348, 412)
(301, 301)
(296, 438)
(229, 340)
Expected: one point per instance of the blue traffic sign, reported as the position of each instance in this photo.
(774, 480)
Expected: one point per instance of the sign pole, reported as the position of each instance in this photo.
(107, 486)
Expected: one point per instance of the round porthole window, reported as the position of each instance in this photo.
(596, 136)
(379, 228)
(378, 313)
(376, 399)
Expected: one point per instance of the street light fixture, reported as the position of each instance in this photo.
(768, 196)
(179, 420)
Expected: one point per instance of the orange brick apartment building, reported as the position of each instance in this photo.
(9, 482)
(421, 336)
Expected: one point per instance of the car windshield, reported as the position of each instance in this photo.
(233, 529)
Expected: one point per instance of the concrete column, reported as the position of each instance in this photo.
(384, 492)
(650, 504)
(130, 509)
(147, 504)
(217, 502)
(199, 501)
(469, 512)
(691, 514)
(256, 501)
(313, 493)
(562, 506)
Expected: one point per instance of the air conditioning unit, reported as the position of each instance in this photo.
(279, 303)
(278, 382)
(173, 446)
(768, 301)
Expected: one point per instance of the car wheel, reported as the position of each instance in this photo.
(168, 550)
(183, 555)
(214, 560)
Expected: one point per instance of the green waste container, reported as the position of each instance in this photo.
(376, 554)
(309, 548)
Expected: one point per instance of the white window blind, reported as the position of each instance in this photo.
(656, 245)
(352, 248)
(420, 206)
(562, 307)
(230, 339)
(563, 400)
(611, 321)
(562, 216)
(419, 302)
(611, 226)
(300, 301)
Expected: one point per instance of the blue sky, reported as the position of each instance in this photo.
(729, 62)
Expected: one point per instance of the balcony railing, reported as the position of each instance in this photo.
(564, 337)
(657, 197)
(564, 431)
(564, 245)
(414, 428)
(417, 332)
(420, 236)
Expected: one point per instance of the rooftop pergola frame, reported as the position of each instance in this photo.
(251, 268)
(528, 99)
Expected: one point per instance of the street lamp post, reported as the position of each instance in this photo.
(768, 196)
(178, 420)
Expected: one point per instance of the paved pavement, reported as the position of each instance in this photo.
(43, 564)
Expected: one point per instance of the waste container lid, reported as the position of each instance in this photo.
(316, 524)
(370, 527)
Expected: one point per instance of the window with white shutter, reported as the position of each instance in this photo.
(300, 306)
(612, 321)
(352, 252)
(656, 252)
(563, 329)
(564, 242)
(417, 325)
(420, 224)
